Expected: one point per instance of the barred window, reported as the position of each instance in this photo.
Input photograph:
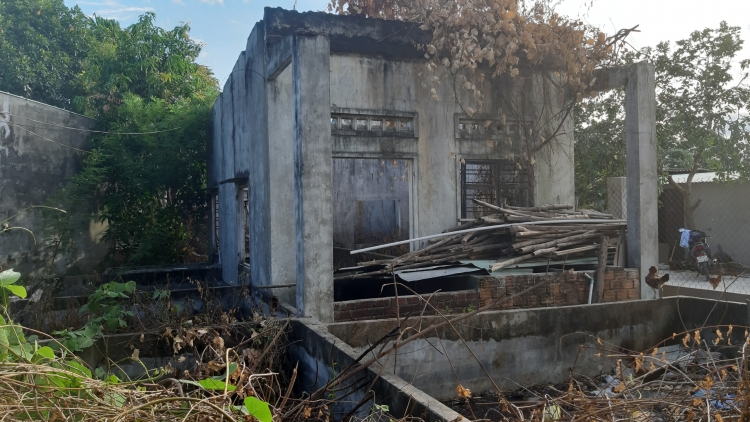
(497, 182)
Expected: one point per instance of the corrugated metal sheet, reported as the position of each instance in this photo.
(439, 271)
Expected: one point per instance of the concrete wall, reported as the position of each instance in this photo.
(723, 214)
(362, 85)
(312, 350)
(539, 346)
(554, 168)
(37, 156)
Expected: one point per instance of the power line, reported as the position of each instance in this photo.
(94, 131)
(47, 139)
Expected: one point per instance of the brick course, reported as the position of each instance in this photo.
(570, 289)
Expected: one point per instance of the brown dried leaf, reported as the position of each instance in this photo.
(463, 393)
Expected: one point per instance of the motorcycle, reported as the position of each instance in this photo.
(700, 252)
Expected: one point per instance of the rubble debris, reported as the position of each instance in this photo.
(691, 379)
(506, 246)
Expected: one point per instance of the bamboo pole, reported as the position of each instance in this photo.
(483, 228)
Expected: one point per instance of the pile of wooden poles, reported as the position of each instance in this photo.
(514, 244)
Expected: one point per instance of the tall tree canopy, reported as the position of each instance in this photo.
(148, 184)
(702, 116)
(42, 45)
(145, 175)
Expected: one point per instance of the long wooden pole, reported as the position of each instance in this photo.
(484, 228)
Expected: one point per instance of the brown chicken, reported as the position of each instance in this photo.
(655, 281)
(716, 280)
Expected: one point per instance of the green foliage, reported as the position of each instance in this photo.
(150, 188)
(702, 115)
(211, 384)
(106, 302)
(8, 286)
(599, 147)
(702, 109)
(42, 47)
(105, 306)
(259, 409)
(143, 60)
(147, 185)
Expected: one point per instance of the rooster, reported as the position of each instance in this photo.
(655, 281)
(716, 280)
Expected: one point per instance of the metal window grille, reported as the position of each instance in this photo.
(246, 219)
(216, 220)
(495, 182)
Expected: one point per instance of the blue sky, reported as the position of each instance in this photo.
(224, 25)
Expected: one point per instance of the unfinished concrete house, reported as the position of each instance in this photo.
(330, 136)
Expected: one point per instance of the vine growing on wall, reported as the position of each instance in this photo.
(525, 43)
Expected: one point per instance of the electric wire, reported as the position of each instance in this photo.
(47, 139)
(94, 131)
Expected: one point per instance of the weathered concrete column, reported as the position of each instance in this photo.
(617, 197)
(312, 176)
(640, 146)
(281, 178)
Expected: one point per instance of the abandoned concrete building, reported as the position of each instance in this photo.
(330, 136)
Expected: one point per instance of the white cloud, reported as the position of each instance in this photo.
(213, 2)
(123, 12)
(180, 2)
(111, 9)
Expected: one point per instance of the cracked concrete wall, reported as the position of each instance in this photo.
(536, 346)
(37, 156)
(362, 84)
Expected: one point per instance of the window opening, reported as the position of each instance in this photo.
(496, 182)
(216, 220)
(246, 237)
(371, 123)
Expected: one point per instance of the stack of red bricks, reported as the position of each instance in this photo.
(568, 288)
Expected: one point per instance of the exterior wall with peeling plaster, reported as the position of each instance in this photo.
(309, 179)
(37, 157)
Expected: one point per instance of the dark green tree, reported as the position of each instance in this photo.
(702, 116)
(145, 177)
(42, 45)
(599, 147)
(702, 107)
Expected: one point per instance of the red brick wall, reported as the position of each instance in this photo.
(569, 289)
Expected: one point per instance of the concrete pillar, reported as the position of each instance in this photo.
(281, 177)
(312, 176)
(640, 146)
(617, 197)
